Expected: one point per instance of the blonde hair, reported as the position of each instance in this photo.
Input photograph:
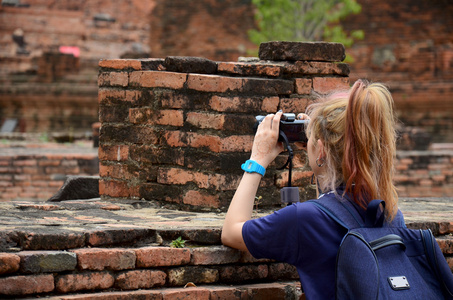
(357, 129)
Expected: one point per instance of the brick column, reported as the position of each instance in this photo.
(177, 130)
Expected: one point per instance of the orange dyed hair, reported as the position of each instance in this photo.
(357, 129)
(370, 146)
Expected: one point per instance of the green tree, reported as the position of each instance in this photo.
(304, 20)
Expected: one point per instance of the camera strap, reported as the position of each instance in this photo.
(288, 194)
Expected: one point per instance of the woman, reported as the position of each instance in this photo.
(351, 149)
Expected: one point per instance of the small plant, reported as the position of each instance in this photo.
(178, 243)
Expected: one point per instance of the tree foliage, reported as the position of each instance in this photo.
(304, 20)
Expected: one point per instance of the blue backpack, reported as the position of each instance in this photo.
(381, 260)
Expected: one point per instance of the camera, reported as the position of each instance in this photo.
(293, 129)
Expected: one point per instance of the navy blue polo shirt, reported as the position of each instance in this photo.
(304, 236)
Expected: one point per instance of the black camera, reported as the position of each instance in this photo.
(293, 129)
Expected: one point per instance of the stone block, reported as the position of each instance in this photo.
(293, 51)
(47, 261)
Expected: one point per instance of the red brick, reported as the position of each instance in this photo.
(202, 180)
(121, 64)
(116, 152)
(116, 188)
(26, 285)
(298, 178)
(244, 104)
(194, 274)
(100, 259)
(118, 171)
(201, 199)
(84, 281)
(215, 255)
(192, 139)
(206, 120)
(152, 79)
(128, 295)
(303, 85)
(450, 262)
(325, 85)
(241, 273)
(162, 256)
(9, 263)
(266, 291)
(445, 227)
(156, 117)
(26, 162)
(140, 279)
(188, 293)
(270, 104)
(316, 68)
(113, 79)
(248, 69)
(446, 244)
(237, 143)
(226, 293)
(213, 83)
(169, 99)
(294, 105)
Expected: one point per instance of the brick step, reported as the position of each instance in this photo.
(278, 290)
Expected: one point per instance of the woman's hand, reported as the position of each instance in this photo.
(265, 145)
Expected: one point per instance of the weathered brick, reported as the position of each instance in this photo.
(230, 274)
(114, 152)
(47, 261)
(214, 255)
(269, 291)
(155, 155)
(118, 171)
(206, 120)
(51, 239)
(116, 188)
(267, 86)
(303, 85)
(26, 285)
(83, 281)
(140, 279)
(151, 116)
(153, 79)
(192, 139)
(127, 295)
(445, 227)
(298, 178)
(325, 85)
(188, 293)
(180, 276)
(113, 114)
(226, 292)
(237, 143)
(113, 79)
(446, 244)
(121, 64)
(201, 199)
(108, 236)
(100, 259)
(293, 51)
(171, 99)
(9, 263)
(214, 83)
(242, 104)
(316, 68)
(282, 271)
(251, 69)
(188, 64)
(162, 256)
(294, 104)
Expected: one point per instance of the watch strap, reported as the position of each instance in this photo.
(251, 166)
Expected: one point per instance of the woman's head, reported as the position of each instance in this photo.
(357, 133)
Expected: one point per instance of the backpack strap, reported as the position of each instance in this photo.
(340, 210)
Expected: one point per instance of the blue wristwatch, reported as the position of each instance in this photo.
(251, 166)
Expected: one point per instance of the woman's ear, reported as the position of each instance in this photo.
(322, 153)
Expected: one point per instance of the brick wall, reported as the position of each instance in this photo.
(177, 130)
(136, 262)
(38, 173)
(409, 46)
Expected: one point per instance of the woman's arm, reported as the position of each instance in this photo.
(265, 149)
